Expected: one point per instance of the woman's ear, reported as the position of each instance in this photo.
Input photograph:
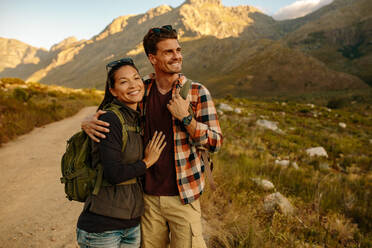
(113, 92)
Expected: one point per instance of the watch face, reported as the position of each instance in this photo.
(187, 120)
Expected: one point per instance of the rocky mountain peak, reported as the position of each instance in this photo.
(117, 25)
(197, 2)
(254, 40)
(160, 10)
(210, 17)
(14, 52)
(66, 42)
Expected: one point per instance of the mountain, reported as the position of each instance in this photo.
(339, 34)
(261, 67)
(82, 65)
(14, 52)
(39, 61)
(226, 48)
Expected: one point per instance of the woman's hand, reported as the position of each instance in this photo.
(94, 127)
(154, 149)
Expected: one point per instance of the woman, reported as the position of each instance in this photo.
(111, 219)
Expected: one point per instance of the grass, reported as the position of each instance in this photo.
(24, 106)
(333, 206)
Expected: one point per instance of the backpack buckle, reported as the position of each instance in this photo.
(63, 180)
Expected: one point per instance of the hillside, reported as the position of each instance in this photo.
(24, 106)
(226, 48)
(73, 66)
(288, 26)
(14, 52)
(270, 191)
(339, 34)
(261, 67)
(274, 192)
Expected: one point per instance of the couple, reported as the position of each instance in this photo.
(171, 162)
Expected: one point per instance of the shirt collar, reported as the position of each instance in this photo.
(179, 82)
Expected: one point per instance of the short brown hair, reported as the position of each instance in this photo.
(155, 35)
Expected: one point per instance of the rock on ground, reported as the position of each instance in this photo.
(238, 110)
(283, 163)
(225, 107)
(277, 200)
(342, 124)
(317, 151)
(263, 184)
(295, 165)
(269, 125)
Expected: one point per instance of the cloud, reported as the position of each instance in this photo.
(262, 9)
(300, 8)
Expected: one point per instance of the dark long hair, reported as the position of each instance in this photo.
(110, 83)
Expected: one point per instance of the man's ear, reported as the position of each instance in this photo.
(152, 58)
(113, 92)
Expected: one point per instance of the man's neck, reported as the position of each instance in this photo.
(164, 81)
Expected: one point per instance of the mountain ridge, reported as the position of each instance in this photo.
(81, 63)
(340, 37)
(14, 52)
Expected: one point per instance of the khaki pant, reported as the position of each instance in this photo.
(167, 221)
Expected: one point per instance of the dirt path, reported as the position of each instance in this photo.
(33, 209)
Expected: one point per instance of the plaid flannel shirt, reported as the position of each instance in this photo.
(189, 165)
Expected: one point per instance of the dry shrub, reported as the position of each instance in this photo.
(24, 106)
(228, 225)
(341, 229)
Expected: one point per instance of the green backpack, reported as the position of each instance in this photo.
(79, 175)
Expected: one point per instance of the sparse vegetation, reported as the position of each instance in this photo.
(24, 106)
(332, 196)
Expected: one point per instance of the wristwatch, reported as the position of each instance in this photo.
(187, 120)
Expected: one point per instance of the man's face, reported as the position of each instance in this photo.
(168, 57)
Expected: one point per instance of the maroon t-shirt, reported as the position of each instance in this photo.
(160, 179)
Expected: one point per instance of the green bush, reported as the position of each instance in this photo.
(21, 95)
(49, 103)
(337, 103)
(12, 81)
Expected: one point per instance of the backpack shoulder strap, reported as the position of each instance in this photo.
(125, 128)
(185, 89)
(115, 109)
(184, 92)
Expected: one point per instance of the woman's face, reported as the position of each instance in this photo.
(128, 87)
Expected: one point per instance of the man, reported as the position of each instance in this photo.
(174, 184)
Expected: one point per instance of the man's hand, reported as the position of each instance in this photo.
(94, 127)
(178, 107)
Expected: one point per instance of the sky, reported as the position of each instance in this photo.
(43, 23)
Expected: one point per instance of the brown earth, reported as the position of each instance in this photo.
(33, 209)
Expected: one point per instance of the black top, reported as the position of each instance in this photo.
(114, 172)
(160, 178)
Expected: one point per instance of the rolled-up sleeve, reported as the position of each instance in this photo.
(208, 131)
